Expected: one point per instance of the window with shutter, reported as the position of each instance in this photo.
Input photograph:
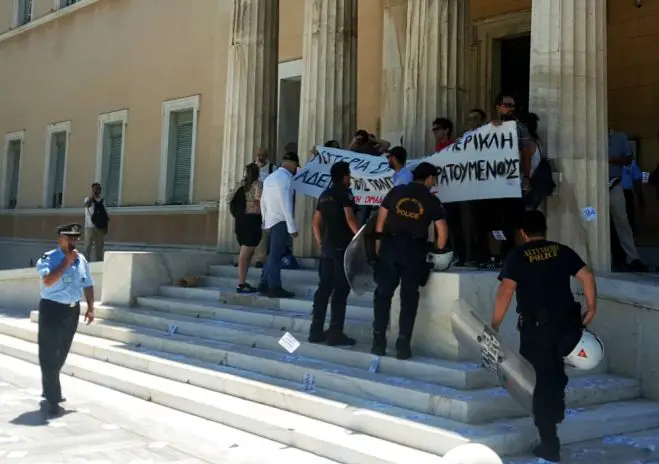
(24, 13)
(57, 164)
(111, 181)
(181, 159)
(65, 3)
(11, 179)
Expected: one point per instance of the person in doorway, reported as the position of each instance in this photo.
(65, 280)
(266, 167)
(402, 224)
(509, 210)
(96, 224)
(278, 220)
(620, 155)
(442, 130)
(248, 222)
(397, 157)
(475, 119)
(631, 181)
(334, 225)
(550, 322)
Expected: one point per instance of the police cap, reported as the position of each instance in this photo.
(70, 230)
(425, 170)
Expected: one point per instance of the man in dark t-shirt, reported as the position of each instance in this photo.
(550, 321)
(334, 225)
(402, 229)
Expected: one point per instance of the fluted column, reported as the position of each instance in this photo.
(250, 120)
(568, 90)
(434, 69)
(394, 33)
(328, 101)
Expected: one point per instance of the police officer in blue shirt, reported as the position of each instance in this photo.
(65, 279)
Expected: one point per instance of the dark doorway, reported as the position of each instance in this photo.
(515, 69)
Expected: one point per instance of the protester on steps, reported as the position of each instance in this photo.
(334, 225)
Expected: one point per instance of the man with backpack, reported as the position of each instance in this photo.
(96, 224)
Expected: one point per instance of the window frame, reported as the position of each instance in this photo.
(103, 121)
(4, 191)
(169, 107)
(52, 129)
(17, 4)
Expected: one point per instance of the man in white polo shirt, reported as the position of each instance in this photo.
(278, 221)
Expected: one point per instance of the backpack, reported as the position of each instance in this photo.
(100, 217)
(238, 203)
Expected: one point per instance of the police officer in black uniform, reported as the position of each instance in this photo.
(550, 321)
(334, 225)
(402, 243)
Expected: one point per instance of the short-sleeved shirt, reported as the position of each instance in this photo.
(630, 175)
(412, 208)
(402, 177)
(253, 198)
(542, 271)
(618, 147)
(69, 288)
(331, 205)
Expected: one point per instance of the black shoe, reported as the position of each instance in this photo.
(263, 290)
(317, 336)
(61, 400)
(245, 289)
(548, 453)
(54, 410)
(403, 349)
(379, 347)
(339, 339)
(258, 265)
(637, 266)
(280, 293)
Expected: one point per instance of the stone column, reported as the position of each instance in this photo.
(568, 91)
(393, 63)
(328, 103)
(250, 120)
(434, 69)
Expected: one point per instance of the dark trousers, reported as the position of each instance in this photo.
(630, 208)
(618, 254)
(278, 240)
(57, 326)
(545, 348)
(333, 284)
(402, 262)
(454, 212)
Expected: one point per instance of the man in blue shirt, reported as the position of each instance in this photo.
(620, 155)
(65, 279)
(397, 157)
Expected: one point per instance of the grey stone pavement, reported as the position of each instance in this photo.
(103, 426)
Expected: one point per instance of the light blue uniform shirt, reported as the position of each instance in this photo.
(69, 288)
(402, 177)
(630, 174)
(618, 147)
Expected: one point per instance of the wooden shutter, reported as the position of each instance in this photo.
(58, 171)
(182, 158)
(112, 181)
(13, 166)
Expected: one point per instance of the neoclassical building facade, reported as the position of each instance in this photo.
(165, 102)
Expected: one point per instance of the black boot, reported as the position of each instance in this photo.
(336, 337)
(317, 334)
(379, 347)
(549, 448)
(403, 348)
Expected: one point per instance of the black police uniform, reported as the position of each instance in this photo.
(333, 282)
(403, 260)
(549, 323)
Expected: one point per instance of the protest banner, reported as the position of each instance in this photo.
(482, 165)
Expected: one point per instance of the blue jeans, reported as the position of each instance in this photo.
(277, 244)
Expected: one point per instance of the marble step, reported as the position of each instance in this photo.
(229, 295)
(423, 432)
(469, 406)
(298, 431)
(288, 276)
(266, 335)
(301, 289)
(299, 323)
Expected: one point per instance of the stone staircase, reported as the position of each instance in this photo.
(213, 353)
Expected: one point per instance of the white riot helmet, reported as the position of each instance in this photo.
(588, 353)
(441, 260)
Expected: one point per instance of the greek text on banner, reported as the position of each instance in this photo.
(481, 165)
